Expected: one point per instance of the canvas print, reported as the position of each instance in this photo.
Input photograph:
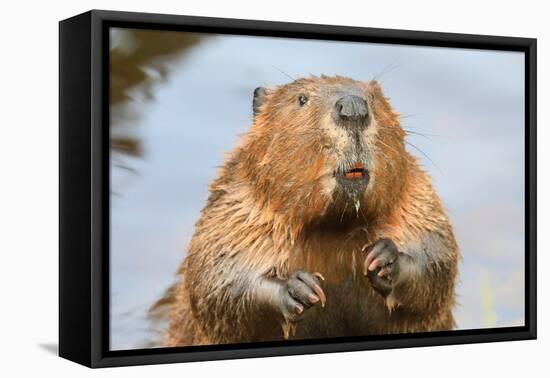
(267, 189)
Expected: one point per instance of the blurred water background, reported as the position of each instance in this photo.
(180, 100)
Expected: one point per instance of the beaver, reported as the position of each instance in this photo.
(319, 224)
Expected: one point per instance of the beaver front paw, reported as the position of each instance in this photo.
(382, 265)
(298, 292)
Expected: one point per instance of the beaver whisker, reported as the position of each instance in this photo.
(284, 73)
(388, 146)
(408, 131)
(403, 116)
(389, 68)
(426, 155)
(418, 134)
(392, 129)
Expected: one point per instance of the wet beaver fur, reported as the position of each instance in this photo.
(319, 224)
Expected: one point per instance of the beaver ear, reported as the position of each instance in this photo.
(260, 94)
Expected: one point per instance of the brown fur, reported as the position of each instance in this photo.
(273, 209)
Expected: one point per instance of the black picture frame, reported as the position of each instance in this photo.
(84, 187)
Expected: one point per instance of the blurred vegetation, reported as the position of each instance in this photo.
(138, 60)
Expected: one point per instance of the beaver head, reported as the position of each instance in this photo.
(325, 148)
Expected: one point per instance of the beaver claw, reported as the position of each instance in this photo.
(299, 292)
(381, 265)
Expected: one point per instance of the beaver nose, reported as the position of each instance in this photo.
(352, 108)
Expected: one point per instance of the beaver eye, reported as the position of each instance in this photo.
(302, 100)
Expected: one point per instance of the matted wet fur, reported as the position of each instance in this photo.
(284, 244)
